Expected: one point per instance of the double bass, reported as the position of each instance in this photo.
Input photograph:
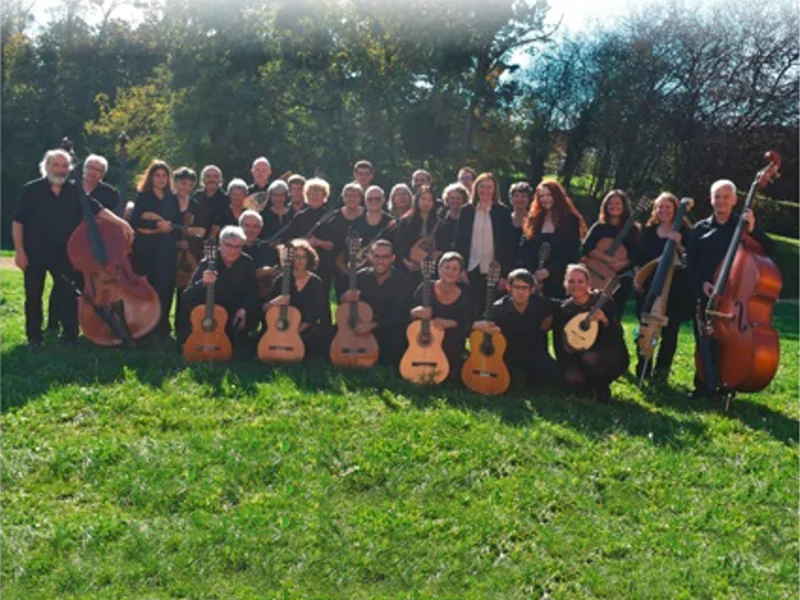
(738, 312)
(116, 306)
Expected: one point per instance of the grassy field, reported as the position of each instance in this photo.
(131, 475)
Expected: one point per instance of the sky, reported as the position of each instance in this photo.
(577, 14)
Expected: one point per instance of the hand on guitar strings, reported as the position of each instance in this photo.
(209, 277)
(600, 317)
(240, 318)
(486, 327)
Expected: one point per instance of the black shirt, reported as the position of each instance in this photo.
(302, 223)
(447, 233)
(49, 220)
(390, 301)
(369, 233)
(210, 209)
(707, 244)
(564, 245)
(235, 287)
(106, 195)
(502, 235)
(522, 330)
(158, 246)
(263, 255)
(460, 311)
(273, 222)
(311, 301)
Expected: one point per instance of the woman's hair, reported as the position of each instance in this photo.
(604, 217)
(232, 231)
(302, 244)
(353, 186)
(521, 186)
(250, 214)
(522, 275)
(237, 184)
(667, 197)
(146, 179)
(560, 212)
(400, 187)
(414, 213)
(320, 184)
(480, 179)
(184, 174)
(456, 187)
(577, 267)
(451, 256)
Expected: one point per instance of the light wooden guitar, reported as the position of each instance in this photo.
(612, 248)
(349, 349)
(580, 332)
(281, 341)
(189, 230)
(424, 361)
(425, 246)
(484, 371)
(208, 340)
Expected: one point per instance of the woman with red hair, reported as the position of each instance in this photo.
(552, 219)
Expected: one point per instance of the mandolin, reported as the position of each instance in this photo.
(349, 349)
(424, 361)
(362, 256)
(544, 256)
(484, 371)
(189, 230)
(654, 312)
(580, 332)
(208, 340)
(425, 246)
(281, 341)
(599, 268)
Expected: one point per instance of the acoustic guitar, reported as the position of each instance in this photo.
(187, 262)
(208, 340)
(424, 361)
(580, 332)
(281, 341)
(599, 268)
(484, 371)
(349, 349)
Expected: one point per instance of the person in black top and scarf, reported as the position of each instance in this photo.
(485, 234)
(455, 197)
(596, 368)
(707, 244)
(552, 219)
(652, 240)
(213, 202)
(615, 210)
(343, 224)
(155, 255)
(308, 295)
(277, 213)
(234, 289)
(418, 222)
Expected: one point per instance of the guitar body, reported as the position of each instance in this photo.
(424, 361)
(208, 340)
(600, 270)
(422, 248)
(281, 342)
(579, 335)
(349, 349)
(484, 371)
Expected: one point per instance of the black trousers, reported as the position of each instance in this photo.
(593, 369)
(160, 268)
(392, 344)
(477, 292)
(533, 369)
(622, 296)
(63, 301)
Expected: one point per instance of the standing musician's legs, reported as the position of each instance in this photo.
(477, 292)
(162, 278)
(178, 293)
(66, 301)
(700, 385)
(182, 325)
(622, 295)
(52, 313)
(667, 348)
(34, 287)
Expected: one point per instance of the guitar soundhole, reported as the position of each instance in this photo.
(487, 349)
(584, 326)
(282, 325)
(209, 325)
(423, 340)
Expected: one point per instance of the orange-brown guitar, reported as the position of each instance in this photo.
(349, 349)
(599, 268)
(281, 341)
(208, 340)
(424, 361)
(484, 371)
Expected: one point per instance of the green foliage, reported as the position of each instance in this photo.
(776, 216)
(129, 474)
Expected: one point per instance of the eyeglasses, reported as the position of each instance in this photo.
(521, 288)
(232, 246)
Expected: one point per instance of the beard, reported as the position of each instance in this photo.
(56, 179)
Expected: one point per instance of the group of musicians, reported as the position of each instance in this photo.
(470, 225)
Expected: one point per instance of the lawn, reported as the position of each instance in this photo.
(131, 475)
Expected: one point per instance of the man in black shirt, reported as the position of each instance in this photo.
(523, 318)
(235, 289)
(48, 211)
(388, 293)
(212, 200)
(708, 243)
(261, 171)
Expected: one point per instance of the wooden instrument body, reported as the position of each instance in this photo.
(651, 323)
(264, 279)
(347, 348)
(208, 340)
(424, 247)
(114, 286)
(749, 349)
(484, 371)
(580, 333)
(282, 342)
(362, 260)
(599, 269)
(187, 262)
(424, 362)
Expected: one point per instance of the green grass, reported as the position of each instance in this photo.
(786, 257)
(131, 475)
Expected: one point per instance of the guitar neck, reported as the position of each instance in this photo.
(210, 293)
(286, 286)
(488, 314)
(727, 262)
(427, 302)
(623, 233)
